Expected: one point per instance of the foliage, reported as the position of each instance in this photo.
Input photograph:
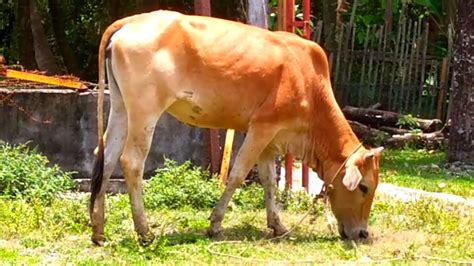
(249, 197)
(176, 186)
(186, 186)
(424, 169)
(407, 121)
(24, 173)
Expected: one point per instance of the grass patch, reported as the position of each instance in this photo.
(36, 233)
(420, 169)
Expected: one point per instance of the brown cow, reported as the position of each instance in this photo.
(214, 73)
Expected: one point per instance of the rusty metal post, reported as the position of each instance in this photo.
(306, 18)
(288, 171)
(210, 136)
(286, 9)
(290, 15)
(307, 35)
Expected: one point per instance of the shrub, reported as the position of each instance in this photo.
(249, 197)
(24, 173)
(177, 186)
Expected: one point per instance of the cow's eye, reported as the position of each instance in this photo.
(363, 188)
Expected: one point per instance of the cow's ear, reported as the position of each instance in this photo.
(372, 153)
(352, 178)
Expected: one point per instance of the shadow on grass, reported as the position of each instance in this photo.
(244, 232)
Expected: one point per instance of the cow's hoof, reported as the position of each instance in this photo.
(98, 240)
(212, 232)
(146, 240)
(278, 232)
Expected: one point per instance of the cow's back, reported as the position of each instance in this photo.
(217, 73)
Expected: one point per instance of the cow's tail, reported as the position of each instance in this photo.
(98, 171)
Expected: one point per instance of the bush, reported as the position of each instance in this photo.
(24, 173)
(177, 186)
(249, 197)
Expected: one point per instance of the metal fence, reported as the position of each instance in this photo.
(392, 68)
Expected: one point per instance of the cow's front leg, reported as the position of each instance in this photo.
(257, 139)
(140, 133)
(266, 171)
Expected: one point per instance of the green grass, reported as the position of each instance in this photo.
(33, 233)
(412, 168)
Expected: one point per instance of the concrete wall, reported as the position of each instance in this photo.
(62, 124)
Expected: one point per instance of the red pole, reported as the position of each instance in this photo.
(306, 15)
(288, 171)
(211, 136)
(290, 16)
(307, 35)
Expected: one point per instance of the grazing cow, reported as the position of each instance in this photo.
(214, 73)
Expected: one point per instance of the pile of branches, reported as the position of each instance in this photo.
(392, 129)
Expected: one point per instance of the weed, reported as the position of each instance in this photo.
(407, 121)
(176, 186)
(24, 173)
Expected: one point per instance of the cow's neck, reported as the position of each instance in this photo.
(330, 137)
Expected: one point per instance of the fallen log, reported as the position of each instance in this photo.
(378, 118)
(394, 130)
(434, 140)
(366, 133)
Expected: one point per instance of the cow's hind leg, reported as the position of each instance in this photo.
(257, 139)
(132, 161)
(114, 142)
(266, 171)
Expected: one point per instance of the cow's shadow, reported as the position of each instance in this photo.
(245, 233)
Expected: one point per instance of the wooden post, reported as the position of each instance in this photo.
(229, 140)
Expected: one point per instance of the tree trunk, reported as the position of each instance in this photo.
(26, 51)
(58, 20)
(44, 57)
(461, 135)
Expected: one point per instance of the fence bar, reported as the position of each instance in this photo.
(361, 82)
(381, 99)
(434, 86)
(410, 66)
(347, 97)
(394, 66)
(378, 62)
(417, 63)
(423, 64)
(404, 62)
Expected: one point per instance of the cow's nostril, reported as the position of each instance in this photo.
(363, 234)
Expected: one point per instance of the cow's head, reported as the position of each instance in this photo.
(353, 192)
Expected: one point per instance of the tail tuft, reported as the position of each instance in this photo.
(97, 177)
